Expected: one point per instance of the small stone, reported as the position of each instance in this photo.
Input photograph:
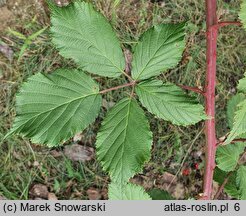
(2, 197)
(78, 152)
(35, 163)
(52, 196)
(93, 194)
(39, 191)
(78, 137)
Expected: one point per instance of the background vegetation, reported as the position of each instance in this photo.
(177, 155)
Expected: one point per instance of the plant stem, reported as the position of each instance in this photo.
(226, 23)
(194, 89)
(117, 87)
(211, 20)
(128, 76)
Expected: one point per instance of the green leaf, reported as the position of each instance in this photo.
(232, 107)
(124, 141)
(239, 125)
(160, 48)
(242, 13)
(241, 181)
(52, 108)
(157, 194)
(242, 84)
(23, 49)
(84, 35)
(230, 187)
(17, 34)
(169, 102)
(36, 34)
(227, 156)
(127, 192)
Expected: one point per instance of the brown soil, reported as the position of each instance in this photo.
(13, 11)
(5, 18)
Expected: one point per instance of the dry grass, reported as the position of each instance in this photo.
(70, 180)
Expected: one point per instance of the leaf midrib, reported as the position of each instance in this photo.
(164, 43)
(92, 44)
(50, 110)
(125, 133)
(155, 95)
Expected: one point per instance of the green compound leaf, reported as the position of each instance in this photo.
(241, 181)
(127, 192)
(124, 141)
(242, 13)
(227, 156)
(169, 102)
(230, 187)
(160, 48)
(52, 108)
(232, 107)
(84, 35)
(239, 125)
(242, 84)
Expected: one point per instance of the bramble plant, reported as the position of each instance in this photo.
(51, 108)
(230, 172)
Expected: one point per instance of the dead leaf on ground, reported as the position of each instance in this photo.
(104, 194)
(5, 17)
(147, 182)
(52, 196)
(39, 191)
(215, 188)
(93, 194)
(62, 3)
(78, 137)
(2, 197)
(56, 153)
(107, 104)
(36, 164)
(169, 183)
(17, 155)
(6, 51)
(169, 178)
(78, 152)
(165, 182)
(177, 191)
(69, 186)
